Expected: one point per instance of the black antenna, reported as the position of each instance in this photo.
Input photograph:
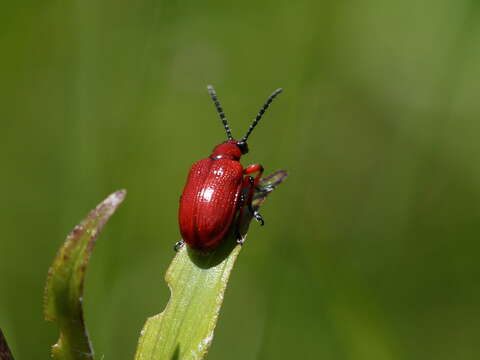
(213, 95)
(260, 113)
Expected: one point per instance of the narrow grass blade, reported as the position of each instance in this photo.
(64, 287)
(184, 330)
(5, 353)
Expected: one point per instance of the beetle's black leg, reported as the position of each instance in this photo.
(255, 213)
(242, 202)
(178, 245)
(238, 236)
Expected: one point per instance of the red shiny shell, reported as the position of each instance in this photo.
(209, 201)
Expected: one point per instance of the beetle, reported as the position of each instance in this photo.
(214, 192)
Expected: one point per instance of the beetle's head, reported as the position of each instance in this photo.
(242, 145)
(230, 149)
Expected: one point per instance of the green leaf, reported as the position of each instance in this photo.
(184, 330)
(5, 353)
(64, 287)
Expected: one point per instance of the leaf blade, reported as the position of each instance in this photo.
(65, 282)
(5, 353)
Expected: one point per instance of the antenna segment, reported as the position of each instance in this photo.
(220, 112)
(260, 113)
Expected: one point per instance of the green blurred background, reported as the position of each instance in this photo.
(370, 248)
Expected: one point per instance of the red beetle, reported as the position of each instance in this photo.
(214, 194)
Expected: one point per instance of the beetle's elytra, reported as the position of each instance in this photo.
(213, 192)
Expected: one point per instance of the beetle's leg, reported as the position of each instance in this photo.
(178, 245)
(247, 181)
(246, 198)
(250, 169)
(253, 184)
(255, 213)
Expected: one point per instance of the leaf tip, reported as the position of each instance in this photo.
(116, 198)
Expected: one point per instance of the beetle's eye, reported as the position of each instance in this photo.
(242, 145)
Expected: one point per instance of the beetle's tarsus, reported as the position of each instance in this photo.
(178, 245)
(258, 217)
(240, 238)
